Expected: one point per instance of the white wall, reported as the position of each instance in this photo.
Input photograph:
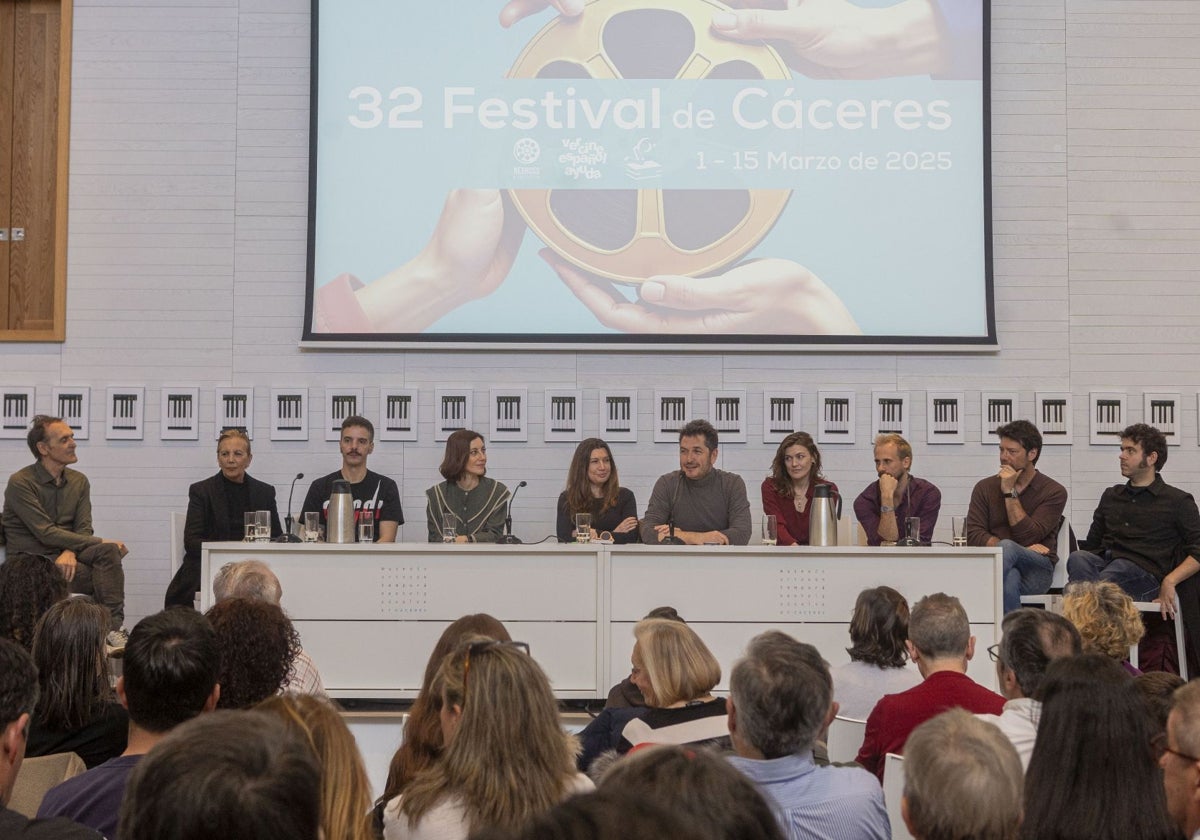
(188, 201)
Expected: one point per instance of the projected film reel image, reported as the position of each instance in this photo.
(658, 171)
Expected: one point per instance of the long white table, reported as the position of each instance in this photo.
(370, 614)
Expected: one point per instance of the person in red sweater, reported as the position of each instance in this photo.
(941, 645)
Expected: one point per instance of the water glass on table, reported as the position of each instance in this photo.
(449, 529)
(366, 526)
(583, 527)
(959, 524)
(312, 525)
(250, 524)
(262, 526)
(770, 530)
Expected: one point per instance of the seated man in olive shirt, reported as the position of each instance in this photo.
(48, 513)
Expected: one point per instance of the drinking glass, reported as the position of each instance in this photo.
(262, 526)
(366, 526)
(770, 529)
(312, 525)
(449, 529)
(251, 528)
(959, 524)
(912, 529)
(583, 527)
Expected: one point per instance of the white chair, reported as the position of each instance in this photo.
(177, 522)
(1059, 580)
(845, 738)
(893, 790)
(1154, 606)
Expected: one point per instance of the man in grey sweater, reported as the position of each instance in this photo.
(702, 504)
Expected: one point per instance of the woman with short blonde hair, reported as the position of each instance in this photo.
(676, 673)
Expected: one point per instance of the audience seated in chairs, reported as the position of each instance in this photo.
(254, 580)
(1093, 771)
(29, 585)
(625, 694)
(18, 696)
(258, 650)
(962, 780)
(229, 774)
(506, 758)
(1031, 639)
(345, 791)
(780, 699)
(878, 631)
(700, 783)
(423, 742)
(169, 677)
(78, 711)
(940, 642)
(676, 674)
(1106, 618)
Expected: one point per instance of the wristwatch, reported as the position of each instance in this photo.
(1013, 494)
(886, 509)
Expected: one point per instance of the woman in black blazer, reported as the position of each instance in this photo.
(216, 507)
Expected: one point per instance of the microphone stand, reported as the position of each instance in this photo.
(508, 538)
(289, 520)
(670, 538)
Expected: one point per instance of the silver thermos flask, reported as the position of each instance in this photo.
(339, 519)
(823, 516)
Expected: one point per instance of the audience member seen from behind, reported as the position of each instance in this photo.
(229, 774)
(78, 711)
(607, 815)
(941, 645)
(594, 488)
(1092, 774)
(1156, 688)
(468, 501)
(29, 585)
(254, 580)
(423, 742)
(1106, 618)
(1030, 640)
(878, 633)
(962, 779)
(1179, 758)
(787, 492)
(258, 650)
(345, 790)
(625, 694)
(169, 676)
(699, 783)
(506, 758)
(18, 696)
(780, 699)
(676, 673)
(216, 510)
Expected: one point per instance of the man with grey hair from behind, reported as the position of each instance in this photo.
(254, 581)
(962, 781)
(781, 697)
(941, 645)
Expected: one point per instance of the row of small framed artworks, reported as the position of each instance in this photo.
(617, 417)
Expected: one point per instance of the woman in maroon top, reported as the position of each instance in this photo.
(788, 490)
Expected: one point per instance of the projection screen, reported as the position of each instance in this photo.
(650, 173)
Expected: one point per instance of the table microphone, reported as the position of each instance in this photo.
(508, 538)
(288, 536)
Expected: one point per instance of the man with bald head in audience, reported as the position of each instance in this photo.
(169, 676)
(941, 645)
(1031, 640)
(781, 698)
(1180, 760)
(18, 696)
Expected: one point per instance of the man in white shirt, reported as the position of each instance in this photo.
(1032, 639)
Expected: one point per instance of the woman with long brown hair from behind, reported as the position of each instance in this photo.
(507, 757)
(345, 790)
(77, 711)
(423, 742)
